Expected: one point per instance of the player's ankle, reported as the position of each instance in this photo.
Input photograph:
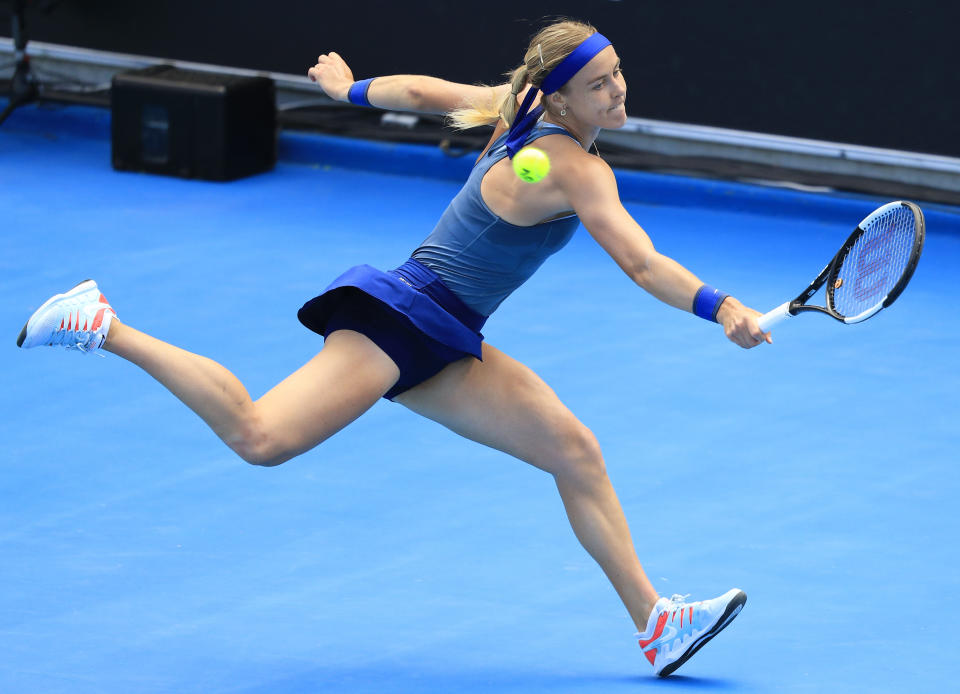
(115, 327)
(647, 610)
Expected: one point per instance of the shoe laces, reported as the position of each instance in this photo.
(689, 613)
(78, 340)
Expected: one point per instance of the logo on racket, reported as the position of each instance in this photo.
(873, 264)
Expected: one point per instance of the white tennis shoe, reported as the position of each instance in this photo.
(78, 319)
(677, 629)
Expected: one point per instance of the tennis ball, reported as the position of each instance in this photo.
(531, 164)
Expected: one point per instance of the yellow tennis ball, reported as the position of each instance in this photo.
(531, 164)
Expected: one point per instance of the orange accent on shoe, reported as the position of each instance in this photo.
(98, 319)
(658, 630)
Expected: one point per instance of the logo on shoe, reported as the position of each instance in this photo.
(669, 633)
(663, 634)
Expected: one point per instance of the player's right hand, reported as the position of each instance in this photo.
(740, 324)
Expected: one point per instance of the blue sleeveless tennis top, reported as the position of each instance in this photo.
(480, 257)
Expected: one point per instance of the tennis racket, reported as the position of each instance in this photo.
(869, 271)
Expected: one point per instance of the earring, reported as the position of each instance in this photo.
(563, 111)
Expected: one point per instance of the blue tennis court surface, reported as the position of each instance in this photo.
(138, 554)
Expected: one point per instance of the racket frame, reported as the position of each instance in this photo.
(830, 273)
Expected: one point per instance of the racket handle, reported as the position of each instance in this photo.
(771, 318)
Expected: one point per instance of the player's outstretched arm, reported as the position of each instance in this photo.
(592, 190)
(417, 93)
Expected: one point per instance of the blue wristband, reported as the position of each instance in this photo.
(358, 92)
(707, 302)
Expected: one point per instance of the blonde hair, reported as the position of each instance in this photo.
(547, 49)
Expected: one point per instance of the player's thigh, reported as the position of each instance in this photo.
(339, 384)
(503, 404)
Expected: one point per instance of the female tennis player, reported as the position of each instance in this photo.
(412, 334)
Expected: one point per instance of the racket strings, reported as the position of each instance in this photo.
(875, 263)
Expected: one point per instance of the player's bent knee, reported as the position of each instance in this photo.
(255, 455)
(265, 459)
(257, 447)
(579, 455)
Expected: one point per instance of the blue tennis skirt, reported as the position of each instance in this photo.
(408, 312)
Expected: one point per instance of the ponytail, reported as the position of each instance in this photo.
(518, 80)
(490, 113)
(550, 46)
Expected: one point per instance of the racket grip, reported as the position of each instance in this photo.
(771, 318)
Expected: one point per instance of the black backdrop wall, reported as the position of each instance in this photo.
(880, 72)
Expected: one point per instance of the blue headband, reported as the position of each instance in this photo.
(559, 76)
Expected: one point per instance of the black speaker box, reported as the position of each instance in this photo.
(193, 124)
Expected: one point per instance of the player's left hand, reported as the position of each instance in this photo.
(333, 75)
(740, 324)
